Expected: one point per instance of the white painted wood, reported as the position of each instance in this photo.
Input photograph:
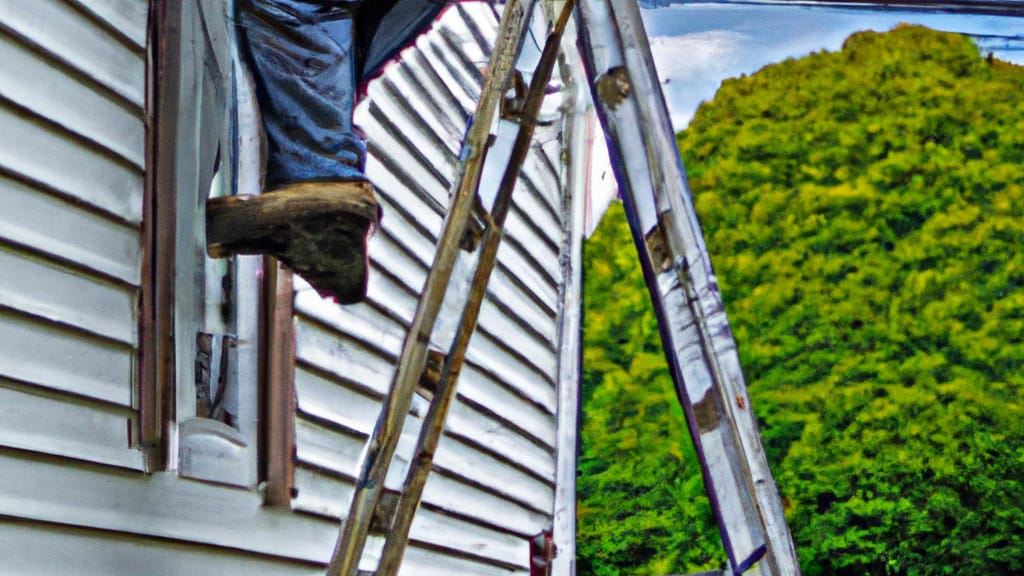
(350, 360)
(214, 452)
(36, 82)
(126, 16)
(330, 496)
(328, 449)
(495, 320)
(78, 41)
(471, 464)
(159, 505)
(69, 165)
(470, 425)
(580, 117)
(47, 550)
(64, 426)
(531, 379)
(68, 297)
(543, 288)
(57, 227)
(435, 529)
(450, 494)
(422, 562)
(329, 399)
(64, 359)
(484, 391)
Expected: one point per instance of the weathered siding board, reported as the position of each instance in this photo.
(92, 112)
(128, 17)
(71, 175)
(39, 352)
(66, 296)
(34, 149)
(57, 424)
(60, 229)
(46, 549)
(65, 34)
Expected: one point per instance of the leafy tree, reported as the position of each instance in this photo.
(865, 213)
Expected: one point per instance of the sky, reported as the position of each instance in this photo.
(696, 46)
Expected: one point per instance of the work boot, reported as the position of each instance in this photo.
(318, 229)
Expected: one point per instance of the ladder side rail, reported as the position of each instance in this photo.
(387, 431)
(695, 334)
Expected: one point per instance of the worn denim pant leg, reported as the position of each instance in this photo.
(303, 63)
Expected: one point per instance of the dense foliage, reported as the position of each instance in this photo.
(865, 213)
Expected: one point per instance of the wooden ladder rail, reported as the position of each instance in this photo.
(433, 423)
(695, 333)
(384, 440)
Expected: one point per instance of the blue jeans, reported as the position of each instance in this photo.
(307, 57)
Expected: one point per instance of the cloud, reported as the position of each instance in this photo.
(691, 67)
(695, 54)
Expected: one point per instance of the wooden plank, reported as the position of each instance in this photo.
(448, 537)
(576, 150)
(81, 43)
(126, 16)
(470, 425)
(46, 549)
(469, 463)
(35, 150)
(41, 288)
(333, 450)
(506, 360)
(332, 400)
(329, 496)
(159, 505)
(482, 390)
(33, 81)
(424, 562)
(496, 318)
(350, 360)
(59, 228)
(64, 360)
(66, 427)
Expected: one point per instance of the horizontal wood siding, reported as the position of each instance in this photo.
(493, 477)
(71, 176)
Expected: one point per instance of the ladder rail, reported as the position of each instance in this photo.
(695, 334)
(433, 423)
(384, 440)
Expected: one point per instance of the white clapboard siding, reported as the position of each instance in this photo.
(45, 550)
(72, 161)
(492, 483)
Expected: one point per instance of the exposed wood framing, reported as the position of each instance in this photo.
(279, 359)
(384, 440)
(694, 330)
(433, 424)
(156, 301)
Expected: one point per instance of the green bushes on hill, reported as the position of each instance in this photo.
(865, 214)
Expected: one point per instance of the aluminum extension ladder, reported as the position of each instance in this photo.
(695, 333)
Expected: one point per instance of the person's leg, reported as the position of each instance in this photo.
(317, 208)
(302, 60)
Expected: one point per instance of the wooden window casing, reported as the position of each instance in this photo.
(183, 50)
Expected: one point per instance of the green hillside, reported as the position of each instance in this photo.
(864, 214)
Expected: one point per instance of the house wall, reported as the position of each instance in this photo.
(75, 496)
